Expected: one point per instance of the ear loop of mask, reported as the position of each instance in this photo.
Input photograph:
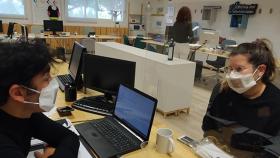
(33, 90)
(259, 76)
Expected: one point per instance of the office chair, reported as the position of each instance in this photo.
(151, 48)
(139, 44)
(126, 40)
(220, 61)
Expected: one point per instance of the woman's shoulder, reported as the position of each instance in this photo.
(272, 90)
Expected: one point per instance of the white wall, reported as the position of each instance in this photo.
(36, 15)
(262, 25)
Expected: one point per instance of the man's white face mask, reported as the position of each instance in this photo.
(47, 96)
(241, 83)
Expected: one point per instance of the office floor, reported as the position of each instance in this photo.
(190, 124)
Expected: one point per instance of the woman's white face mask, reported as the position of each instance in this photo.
(241, 83)
(47, 96)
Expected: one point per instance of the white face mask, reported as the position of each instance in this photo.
(241, 83)
(47, 96)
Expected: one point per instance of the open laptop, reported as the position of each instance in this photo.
(126, 130)
(75, 67)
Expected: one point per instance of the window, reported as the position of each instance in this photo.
(12, 8)
(96, 9)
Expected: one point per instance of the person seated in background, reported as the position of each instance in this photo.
(182, 33)
(27, 90)
(247, 96)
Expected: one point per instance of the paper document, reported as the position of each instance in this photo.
(210, 150)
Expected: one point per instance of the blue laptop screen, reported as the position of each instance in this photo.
(136, 110)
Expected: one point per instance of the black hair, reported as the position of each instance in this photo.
(20, 62)
(259, 52)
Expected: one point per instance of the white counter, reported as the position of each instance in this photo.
(171, 82)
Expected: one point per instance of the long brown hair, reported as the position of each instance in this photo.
(258, 52)
(184, 15)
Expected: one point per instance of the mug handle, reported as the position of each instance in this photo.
(171, 145)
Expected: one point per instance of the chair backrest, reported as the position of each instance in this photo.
(221, 61)
(151, 48)
(139, 44)
(125, 40)
(227, 42)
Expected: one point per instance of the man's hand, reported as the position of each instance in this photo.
(48, 151)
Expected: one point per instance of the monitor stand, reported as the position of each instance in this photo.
(54, 34)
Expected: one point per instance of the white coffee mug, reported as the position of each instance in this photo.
(165, 143)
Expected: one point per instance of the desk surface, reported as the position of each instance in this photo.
(153, 42)
(77, 37)
(145, 38)
(181, 151)
(223, 54)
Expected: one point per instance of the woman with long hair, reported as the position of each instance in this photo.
(182, 32)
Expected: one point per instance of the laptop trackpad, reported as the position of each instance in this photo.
(99, 144)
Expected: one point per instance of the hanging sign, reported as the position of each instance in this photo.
(237, 8)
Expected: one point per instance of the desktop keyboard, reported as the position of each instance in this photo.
(94, 106)
(121, 139)
(65, 79)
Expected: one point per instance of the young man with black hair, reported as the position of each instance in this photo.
(26, 90)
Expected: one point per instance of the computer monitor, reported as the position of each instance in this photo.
(106, 74)
(209, 38)
(1, 26)
(10, 31)
(136, 110)
(24, 32)
(75, 64)
(53, 25)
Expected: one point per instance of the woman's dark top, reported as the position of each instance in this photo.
(261, 114)
(182, 32)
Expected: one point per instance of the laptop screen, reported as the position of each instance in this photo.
(136, 110)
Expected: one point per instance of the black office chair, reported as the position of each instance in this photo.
(139, 44)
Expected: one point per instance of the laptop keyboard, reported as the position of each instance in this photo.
(121, 139)
(94, 106)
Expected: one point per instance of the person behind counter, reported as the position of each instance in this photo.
(26, 90)
(182, 32)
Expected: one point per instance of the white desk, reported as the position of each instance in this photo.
(134, 37)
(171, 82)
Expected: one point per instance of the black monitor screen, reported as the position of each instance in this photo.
(10, 29)
(136, 110)
(53, 25)
(75, 61)
(1, 26)
(106, 74)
